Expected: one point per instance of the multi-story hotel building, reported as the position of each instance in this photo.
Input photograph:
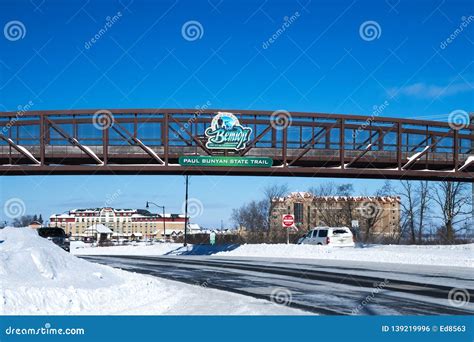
(378, 216)
(126, 223)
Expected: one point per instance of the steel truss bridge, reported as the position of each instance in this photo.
(150, 141)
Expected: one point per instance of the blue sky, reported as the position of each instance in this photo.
(321, 62)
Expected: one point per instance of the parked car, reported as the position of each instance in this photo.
(55, 235)
(331, 236)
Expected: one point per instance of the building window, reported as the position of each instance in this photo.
(298, 212)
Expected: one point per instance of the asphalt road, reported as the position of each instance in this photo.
(320, 289)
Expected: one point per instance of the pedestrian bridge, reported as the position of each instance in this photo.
(151, 141)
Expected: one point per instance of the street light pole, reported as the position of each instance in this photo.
(164, 220)
(186, 214)
(164, 223)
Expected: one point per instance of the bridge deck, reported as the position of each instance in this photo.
(308, 144)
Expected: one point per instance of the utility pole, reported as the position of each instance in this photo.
(186, 213)
(471, 121)
(164, 219)
(164, 223)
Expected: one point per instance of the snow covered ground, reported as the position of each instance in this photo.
(458, 255)
(80, 248)
(37, 277)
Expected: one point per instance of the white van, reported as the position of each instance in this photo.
(331, 236)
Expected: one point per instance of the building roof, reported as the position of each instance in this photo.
(98, 228)
(194, 226)
(118, 212)
(309, 195)
(63, 215)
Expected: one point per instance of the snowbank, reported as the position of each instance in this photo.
(37, 277)
(458, 255)
(79, 248)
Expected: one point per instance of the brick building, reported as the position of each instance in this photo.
(378, 217)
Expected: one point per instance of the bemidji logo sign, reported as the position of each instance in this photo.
(227, 133)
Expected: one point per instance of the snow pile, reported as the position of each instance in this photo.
(442, 255)
(453, 255)
(37, 277)
(26, 258)
(80, 248)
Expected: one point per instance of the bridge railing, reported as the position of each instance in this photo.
(291, 139)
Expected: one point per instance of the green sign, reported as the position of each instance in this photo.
(225, 161)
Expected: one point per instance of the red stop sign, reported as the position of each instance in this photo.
(288, 220)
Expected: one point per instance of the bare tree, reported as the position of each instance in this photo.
(416, 199)
(22, 221)
(424, 189)
(409, 208)
(387, 189)
(371, 215)
(453, 199)
(271, 193)
(335, 213)
(256, 215)
(332, 189)
(237, 217)
(324, 189)
(251, 216)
